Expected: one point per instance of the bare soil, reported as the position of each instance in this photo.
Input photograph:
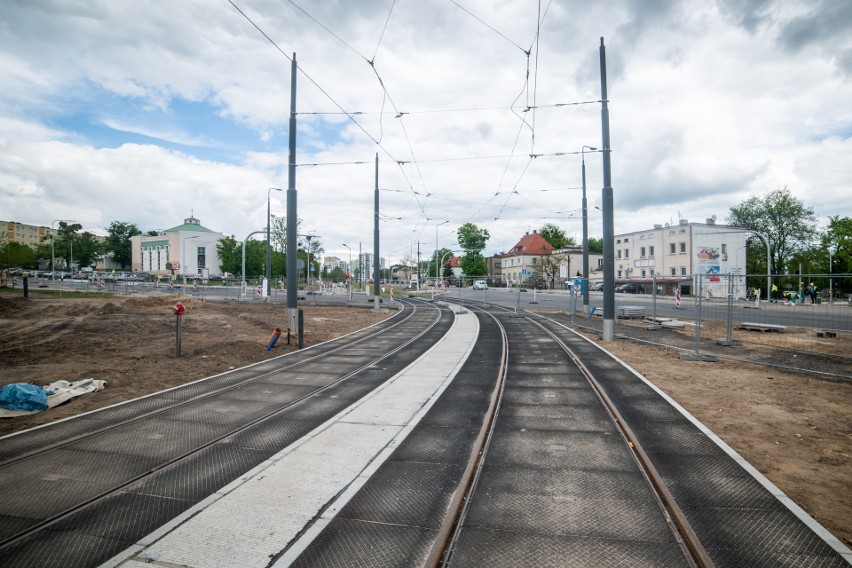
(794, 428)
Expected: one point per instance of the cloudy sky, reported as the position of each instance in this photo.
(148, 111)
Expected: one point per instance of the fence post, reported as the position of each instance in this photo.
(654, 325)
(697, 355)
(729, 341)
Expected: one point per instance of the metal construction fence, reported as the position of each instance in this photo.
(800, 325)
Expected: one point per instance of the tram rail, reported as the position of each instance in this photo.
(34, 503)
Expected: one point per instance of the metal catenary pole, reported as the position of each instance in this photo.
(376, 266)
(607, 204)
(292, 239)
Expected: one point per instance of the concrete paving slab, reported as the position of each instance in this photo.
(253, 519)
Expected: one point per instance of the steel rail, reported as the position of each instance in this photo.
(107, 493)
(448, 531)
(208, 394)
(684, 528)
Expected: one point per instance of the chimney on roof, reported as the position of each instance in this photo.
(658, 226)
(711, 221)
(535, 231)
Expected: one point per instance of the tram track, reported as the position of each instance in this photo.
(367, 357)
(694, 553)
(301, 359)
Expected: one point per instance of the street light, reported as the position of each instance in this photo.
(585, 230)
(349, 270)
(183, 259)
(52, 240)
(268, 249)
(437, 273)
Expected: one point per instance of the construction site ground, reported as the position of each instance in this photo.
(795, 428)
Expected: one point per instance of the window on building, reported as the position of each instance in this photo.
(671, 248)
(626, 240)
(158, 259)
(618, 241)
(642, 252)
(619, 274)
(619, 253)
(643, 274)
(600, 262)
(202, 259)
(724, 248)
(651, 252)
(682, 248)
(674, 272)
(626, 253)
(683, 271)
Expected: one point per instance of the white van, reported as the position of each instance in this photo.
(480, 285)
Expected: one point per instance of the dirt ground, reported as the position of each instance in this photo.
(794, 428)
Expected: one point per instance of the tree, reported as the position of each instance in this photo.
(837, 238)
(65, 239)
(547, 266)
(442, 253)
(17, 255)
(783, 219)
(87, 248)
(595, 245)
(472, 240)
(230, 255)
(117, 242)
(556, 236)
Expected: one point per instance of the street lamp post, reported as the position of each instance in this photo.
(437, 272)
(183, 260)
(585, 231)
(349, 269)
(268, 249)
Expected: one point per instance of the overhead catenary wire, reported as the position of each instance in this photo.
(420, 198)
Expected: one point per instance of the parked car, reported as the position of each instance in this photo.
(596, 287)
(631, 288)
(480, 285)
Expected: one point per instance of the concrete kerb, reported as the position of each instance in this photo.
(188, 537)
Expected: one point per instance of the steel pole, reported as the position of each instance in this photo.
(376, 268)
(607, 204)
(292, 218)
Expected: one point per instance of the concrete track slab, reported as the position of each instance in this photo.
(252, 520)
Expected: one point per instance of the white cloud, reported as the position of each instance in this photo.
(710, 103)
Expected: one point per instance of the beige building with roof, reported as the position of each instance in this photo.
(189, 250)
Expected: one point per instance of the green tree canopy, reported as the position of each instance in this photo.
(783, 219)
(837, 239)
(595, 245)
(17, 255)
(230, 255)
(556, 236)
(472, 240)
(117, 242)
(87, 248)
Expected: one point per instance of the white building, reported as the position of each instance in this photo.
(188, 250)
(675, 253)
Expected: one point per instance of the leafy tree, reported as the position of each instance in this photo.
(783, 219)
(17, 255)
(595, 245)
(66, 235)
(837, 238)
(442, 253)
(547, 266)
(230, 255)
(472, 240)
(556, 236)
(87, 248)
(118, 241)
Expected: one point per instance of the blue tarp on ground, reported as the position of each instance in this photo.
(23, 396)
